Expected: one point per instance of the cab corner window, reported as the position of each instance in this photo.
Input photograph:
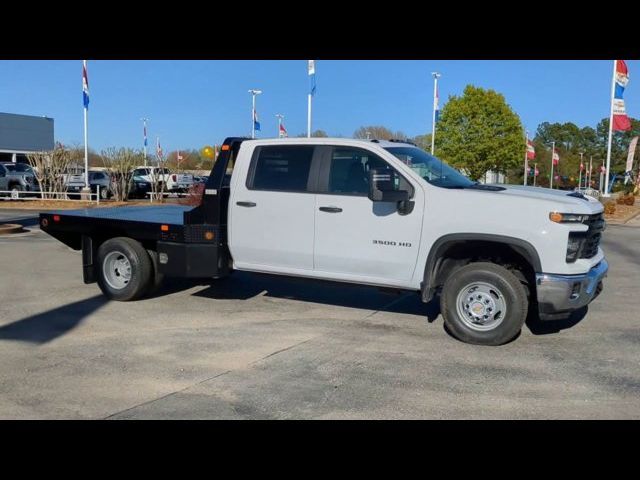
(283, 169)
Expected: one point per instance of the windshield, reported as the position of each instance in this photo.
(433, 170)
(19, 168)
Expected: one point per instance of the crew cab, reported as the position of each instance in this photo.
(383, 214)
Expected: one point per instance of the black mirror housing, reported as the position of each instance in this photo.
(382, 187)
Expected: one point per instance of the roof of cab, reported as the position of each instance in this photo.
(326, 140)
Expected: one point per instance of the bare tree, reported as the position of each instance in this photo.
(50, 169)
(120, 163)
(158, 178)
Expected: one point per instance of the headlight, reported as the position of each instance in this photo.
(568, 217)
(574, 246)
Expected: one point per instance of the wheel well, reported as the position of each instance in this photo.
(447, 257)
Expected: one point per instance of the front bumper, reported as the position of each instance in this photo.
(559, 295)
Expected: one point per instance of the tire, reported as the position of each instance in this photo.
(124, 269)
(17, 188)
(484, 304)
(156, 279)
(104, 194)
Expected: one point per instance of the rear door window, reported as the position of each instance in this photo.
(282, 169)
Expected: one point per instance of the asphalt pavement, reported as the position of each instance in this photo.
(259, 347)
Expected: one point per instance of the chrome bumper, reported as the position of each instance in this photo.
(559, 295)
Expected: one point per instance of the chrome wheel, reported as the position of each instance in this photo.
(481, 306)
(117, 270)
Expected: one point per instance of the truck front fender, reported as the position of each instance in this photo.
(443, 244)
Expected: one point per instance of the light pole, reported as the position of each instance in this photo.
(144, 129)
(436, 76)
(254, 94)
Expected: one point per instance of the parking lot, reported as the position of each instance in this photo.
(258, 347)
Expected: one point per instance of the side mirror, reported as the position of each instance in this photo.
(382, 187)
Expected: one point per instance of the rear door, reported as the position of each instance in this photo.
(357, 239)
(272, 209)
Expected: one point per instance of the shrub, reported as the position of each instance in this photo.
(620, 199)
(629, 200)
(609, 208)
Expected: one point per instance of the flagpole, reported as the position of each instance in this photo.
(309, 116)
(613, 93)
(144, 124)
(436, 76)
(535, 169)
(580, 179)
(590, 168)
(86, 138)
(253, 117)
(553, 154)
(526, 157)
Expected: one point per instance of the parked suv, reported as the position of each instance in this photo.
(96, 179)
(17, 177)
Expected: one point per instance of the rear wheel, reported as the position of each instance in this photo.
(124, 269)
(484, 304)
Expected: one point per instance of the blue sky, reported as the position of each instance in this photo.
(194, 103)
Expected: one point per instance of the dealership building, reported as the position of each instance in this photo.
(23, 134)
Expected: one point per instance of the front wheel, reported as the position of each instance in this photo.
(124, 269)
(484, 304)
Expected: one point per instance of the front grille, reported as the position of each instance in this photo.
(593, 236)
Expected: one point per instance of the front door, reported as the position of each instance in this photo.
(272, 213)
(357, 239)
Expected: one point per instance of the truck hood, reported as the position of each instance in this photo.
(570, 202)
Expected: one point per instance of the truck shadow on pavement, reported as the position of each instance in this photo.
(243, 286)
(538, 327)
(47, 326)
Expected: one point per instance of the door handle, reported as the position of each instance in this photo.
(246, 204)
(331, 209)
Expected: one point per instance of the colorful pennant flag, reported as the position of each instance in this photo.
(85, 84)
(312, 77)
(621, 122)
(531, 151)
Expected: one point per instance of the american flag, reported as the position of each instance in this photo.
(85, 84)
(283, 131)
(159, 152)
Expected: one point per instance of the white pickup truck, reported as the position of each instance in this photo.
(384, 214)
(173, 182)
